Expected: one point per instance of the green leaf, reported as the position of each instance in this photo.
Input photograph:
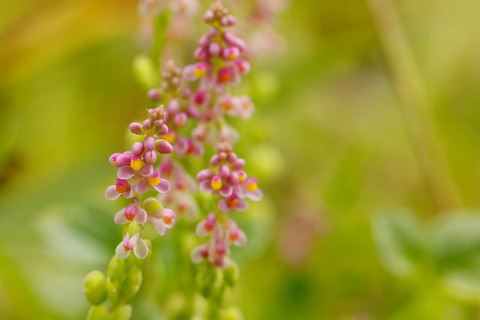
(400, 240)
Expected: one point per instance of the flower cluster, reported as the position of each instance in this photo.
(219, 236)
(230, 185)
(136, 175)
(228, 181)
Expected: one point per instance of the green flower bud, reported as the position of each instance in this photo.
(231, 274)
(151, 204)
(145, 71)
(116, 268)
(95, 287)
(140, 263)
(209, 281)
(132, 283)
(123, 312)
(113, 291)
(133, 228)
(204, 279)
(98, 313)
(231, 313)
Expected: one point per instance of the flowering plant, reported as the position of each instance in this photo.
(189, 121)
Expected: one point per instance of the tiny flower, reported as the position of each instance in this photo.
(161, 219)
(153, 181)
(121, 188)
(135, 243)
(232, 203)
(131, 212)
(206, 226)
(199, 254)
(230, 53)
(235, 235)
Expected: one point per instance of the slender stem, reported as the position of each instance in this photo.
(416, 106)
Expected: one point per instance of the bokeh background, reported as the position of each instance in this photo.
(365, 139)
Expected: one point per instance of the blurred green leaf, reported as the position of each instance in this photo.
(401, 242)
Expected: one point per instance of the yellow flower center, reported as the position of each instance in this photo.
(216, 184)
(136, 164)
(252, 187)
(154, 181)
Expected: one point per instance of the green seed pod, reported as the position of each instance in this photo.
(116, 268)
(98, 313)
(123, 312)
(113, 291)
(231, 313)
(95, 287)
(231, 274)
(145, 71)
(132, 283)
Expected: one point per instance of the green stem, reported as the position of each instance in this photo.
(416, 106)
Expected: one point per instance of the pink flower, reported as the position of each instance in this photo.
(152, 182)
(121, 188)
(131, 212)
(232, 203)
(162, 219)
(135, 243)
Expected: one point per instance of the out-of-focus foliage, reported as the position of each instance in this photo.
(329, 142)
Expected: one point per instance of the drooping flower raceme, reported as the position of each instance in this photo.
(137, 174)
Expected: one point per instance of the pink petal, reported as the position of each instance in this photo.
(163, 186)
(205, 174)
(128, 194)
(121, 252)
(226, 191)
(140, 249)
(205, 186)
(120, 217)
(222, 205)
(195, 255)
(125, 173)
(147, 170)
(158, 225)
(257, 195)
(111, 193)
(242, 205)
(141, 187)
(200, 229)
(242, 239)
(141, 216)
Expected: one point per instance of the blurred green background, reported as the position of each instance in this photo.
(365, 139)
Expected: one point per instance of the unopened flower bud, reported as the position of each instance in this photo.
(113, 292)
(123, 312)
(95, 287)
(132, 283)
(137, 148)
(149, 143)
(163, 147)
(209, 16)
(147, 124)
(150, 157)
(136, 128)
(116, 268)
(99, 312)
(180, 119)
(214, 48)
(154, 94)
